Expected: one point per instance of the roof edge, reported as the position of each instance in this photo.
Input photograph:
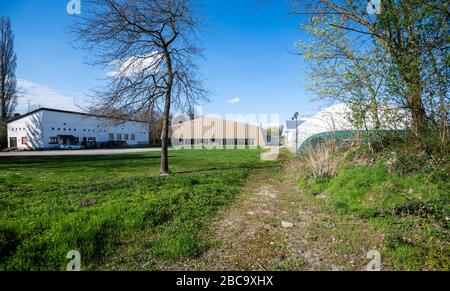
(70, 112)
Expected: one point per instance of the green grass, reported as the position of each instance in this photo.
(408, 200)
(137, 212)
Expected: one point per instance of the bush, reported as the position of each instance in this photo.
(321, 160)
(400, 188)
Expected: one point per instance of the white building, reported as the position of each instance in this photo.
(49, 128)
(215, 131)
(289, 132)
(338, 118)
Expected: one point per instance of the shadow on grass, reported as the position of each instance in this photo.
(246, 167)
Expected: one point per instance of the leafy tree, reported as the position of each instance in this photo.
(408, 37)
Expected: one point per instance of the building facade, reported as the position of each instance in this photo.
(290, 130)
(337, 118)
(49, 128)
(213, 131)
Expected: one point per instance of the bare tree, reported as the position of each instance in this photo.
(153, 46)
(8, 90)
(154, 118)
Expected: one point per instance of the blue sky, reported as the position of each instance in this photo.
(248, 57)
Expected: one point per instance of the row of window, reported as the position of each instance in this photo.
(111, 135)
(212, 141)
(18, 129)
(121, 137)
(55, 140)
(75, 130)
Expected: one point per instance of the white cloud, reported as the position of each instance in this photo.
(42, 96)
(134, 65)
(234, 101)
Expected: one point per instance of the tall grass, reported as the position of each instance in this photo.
(402, 189)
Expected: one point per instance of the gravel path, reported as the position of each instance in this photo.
(256, 233)
(274, 226)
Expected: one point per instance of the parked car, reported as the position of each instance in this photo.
(89, 144)
(71, 147)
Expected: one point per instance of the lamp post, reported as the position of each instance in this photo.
(296, 114)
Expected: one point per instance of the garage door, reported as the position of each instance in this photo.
(13, 142)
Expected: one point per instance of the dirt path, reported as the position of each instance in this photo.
(273, 226)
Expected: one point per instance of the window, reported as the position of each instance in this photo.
(111, 136)
(64, 129)
(119, 136)
(53, 128)
(25, 140)
(126, 136)
(59, 128)
(53, 140)
(133, 136)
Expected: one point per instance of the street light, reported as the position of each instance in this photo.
(296, 115)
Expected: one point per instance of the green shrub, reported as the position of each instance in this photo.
(403, 192)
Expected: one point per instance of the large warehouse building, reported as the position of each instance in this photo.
(49, 128)
(214, 131)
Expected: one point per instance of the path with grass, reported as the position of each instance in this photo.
(274, 226)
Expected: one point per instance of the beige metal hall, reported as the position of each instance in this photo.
(215, 131)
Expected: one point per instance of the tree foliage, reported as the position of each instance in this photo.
(398, 57)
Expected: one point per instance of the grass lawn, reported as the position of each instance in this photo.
(136, 217)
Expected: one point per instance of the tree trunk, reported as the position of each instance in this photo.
(418, 114)
(3, 114)
(164, 169)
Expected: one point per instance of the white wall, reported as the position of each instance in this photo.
(289, 139)
(337, 118)
(43, 125)
(29, 126)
